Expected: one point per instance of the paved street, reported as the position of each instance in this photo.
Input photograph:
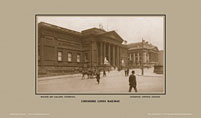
(114, 82)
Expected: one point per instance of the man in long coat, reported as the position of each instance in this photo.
(132, 82)
(98, 76)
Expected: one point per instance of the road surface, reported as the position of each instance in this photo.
(114, 82)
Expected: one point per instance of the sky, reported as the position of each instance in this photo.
(130, 28)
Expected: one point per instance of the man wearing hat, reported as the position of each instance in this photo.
(132, 81)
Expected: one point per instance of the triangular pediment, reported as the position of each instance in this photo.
(112, 35)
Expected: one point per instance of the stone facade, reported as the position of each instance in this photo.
(142, 53)
(63, 51)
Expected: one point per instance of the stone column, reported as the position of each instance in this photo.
(109, 58)
(101, 53)
(114, 58)
(151, 57)
(117, 56)
(120, 58)
(134, 58)
(104, 51)
(138, 57)
(147, 57)
(144, 57)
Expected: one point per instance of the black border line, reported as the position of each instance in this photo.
(35, 56)
(165, 51)
(101, 15)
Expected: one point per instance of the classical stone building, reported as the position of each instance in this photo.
(62, 51)
(142, 53)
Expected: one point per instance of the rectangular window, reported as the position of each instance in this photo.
(69, 57)
(78, 57)
(59, 56)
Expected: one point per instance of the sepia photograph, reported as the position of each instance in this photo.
(100, 54)
(100, 59)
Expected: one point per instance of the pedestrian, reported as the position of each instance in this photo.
(104, 73)
(127, 71)
(132, 82)
(83, 74)
(98, 76)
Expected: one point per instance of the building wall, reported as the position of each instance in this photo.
(147, 57)
(51, 42)
(54, 46)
